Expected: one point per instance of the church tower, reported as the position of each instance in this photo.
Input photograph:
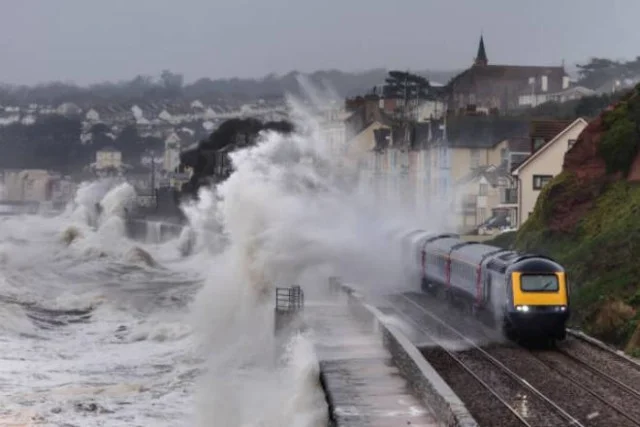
(481, 57)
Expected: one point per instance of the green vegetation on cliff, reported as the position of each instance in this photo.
(619, 144)
(590, 222)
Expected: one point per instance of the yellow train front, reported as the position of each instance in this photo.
(524, 295)
(537, 299)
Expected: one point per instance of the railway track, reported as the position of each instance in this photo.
(525, 405)
(609, 360)
(559, 388)
(599, 384)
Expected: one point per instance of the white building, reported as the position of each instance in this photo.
(540, 168)
(569, 94)
(171, 158)
(333, 130)
(108, 161)
(92, 116)
(30, 185)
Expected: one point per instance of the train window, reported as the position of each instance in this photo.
(539, 283)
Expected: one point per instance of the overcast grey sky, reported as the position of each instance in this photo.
(94, 40)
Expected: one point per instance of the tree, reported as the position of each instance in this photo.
(599, 71)
(411, 88)
(236, 133)
(407, 86)
(52, 142)
(172, 82)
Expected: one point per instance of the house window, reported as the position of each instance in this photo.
(570, 144)
(484, 189)
(537, 143)
(504, 157)
(475, 158)
(540, 181)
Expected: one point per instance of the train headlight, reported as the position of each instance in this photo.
(561, 308)
(523, 308)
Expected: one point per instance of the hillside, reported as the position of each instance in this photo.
(170, 86)
(588, 218)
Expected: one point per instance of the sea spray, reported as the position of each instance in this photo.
(290, 212)
(92, 333)
(205, 229)
(118, 201)
(88, 195)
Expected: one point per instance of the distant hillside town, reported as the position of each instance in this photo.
(141, 141)
(471, 138)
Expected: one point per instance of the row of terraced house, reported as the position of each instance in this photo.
(466, 155)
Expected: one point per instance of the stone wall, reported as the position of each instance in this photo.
(151, 231)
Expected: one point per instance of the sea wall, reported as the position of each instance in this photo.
(427, 384)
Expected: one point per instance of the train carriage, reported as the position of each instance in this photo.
(525, 294)
(407, 246)
(467, 284)
(408, 243)
(420, 242)
(435, 261)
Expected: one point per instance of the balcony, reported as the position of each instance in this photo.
(509, 196)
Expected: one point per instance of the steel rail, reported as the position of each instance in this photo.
(572, 420)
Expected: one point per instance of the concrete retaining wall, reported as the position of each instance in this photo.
(423, 378)
(331, 420)
(138, 229)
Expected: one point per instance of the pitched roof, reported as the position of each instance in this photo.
(369, 125)
(548, 129)
(537, 153)
(370, 115)
(478, 74)
(519, 144)
(109, 149)
(484, 131)
(363, 117)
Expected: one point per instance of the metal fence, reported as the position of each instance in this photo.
(290, 299)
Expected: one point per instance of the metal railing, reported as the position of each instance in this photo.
(290, 299)
(509, 196)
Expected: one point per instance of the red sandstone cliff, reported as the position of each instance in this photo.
(583, 159)
(570, 197)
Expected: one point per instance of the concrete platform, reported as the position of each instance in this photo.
(364, 387)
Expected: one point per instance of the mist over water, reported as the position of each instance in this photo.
(102, 330)
(93, 332)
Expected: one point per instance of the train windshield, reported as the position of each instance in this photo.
(539, 282)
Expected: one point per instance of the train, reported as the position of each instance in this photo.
(525, 295)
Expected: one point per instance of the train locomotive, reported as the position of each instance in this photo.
(525, 295)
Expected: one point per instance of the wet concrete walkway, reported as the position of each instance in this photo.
(364, 387)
